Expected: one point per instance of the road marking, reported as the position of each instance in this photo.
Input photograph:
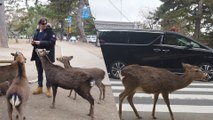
(174, 96)
(184, 89)
(207, 87)
(192, 84)
(175, 108)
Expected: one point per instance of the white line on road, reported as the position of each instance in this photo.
(194, 84)
(184, 89)
(174, 96)
(175, 108)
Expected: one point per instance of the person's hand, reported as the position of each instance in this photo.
(35, 42)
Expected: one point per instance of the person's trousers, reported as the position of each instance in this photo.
(40, 74)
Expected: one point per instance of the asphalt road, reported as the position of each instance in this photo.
(194, 102)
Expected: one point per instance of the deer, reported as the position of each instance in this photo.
(154, 80)
(78, 80)
(4, 87)
(97, 73)
(17, 94)
(8, 72)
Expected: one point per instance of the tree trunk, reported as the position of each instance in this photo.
(79, 22)
(3, 31)
(198, 20)
(61, 22)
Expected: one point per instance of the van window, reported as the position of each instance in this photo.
(114, 37)
(142, 38)
(171, 39)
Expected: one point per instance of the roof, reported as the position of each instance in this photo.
(116, 25)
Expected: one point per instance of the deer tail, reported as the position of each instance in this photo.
(15, 99)
(91, 81)
(120, 75)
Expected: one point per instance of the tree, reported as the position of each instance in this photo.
(198, 19)
(192, 15)
(79, 22)
(3, 31)
(59, 10)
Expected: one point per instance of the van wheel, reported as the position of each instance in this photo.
(207, 68)
(115, 69)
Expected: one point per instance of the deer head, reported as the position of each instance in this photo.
(18, 56)
(194, 72)
(64, 58)
(42, 52)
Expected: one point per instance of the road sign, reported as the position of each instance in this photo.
(86, 12)
(69, 19)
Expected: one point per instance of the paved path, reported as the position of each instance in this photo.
(66, 108)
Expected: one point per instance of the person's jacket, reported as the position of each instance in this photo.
(48, 42)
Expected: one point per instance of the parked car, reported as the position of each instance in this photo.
(161, 49)
(72, 39)
(64, 38)
(91, 38)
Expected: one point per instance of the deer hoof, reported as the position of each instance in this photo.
(154, 117)
(52, 107)
(17, 117)
(139, 117)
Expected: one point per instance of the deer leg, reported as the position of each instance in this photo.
(10, 110)
(20, 113)
(70, 93)
(166, 99)
(84, 92)
(75, 96)
(54, 88)
(103, 86)
(121, 98)
(99, 85)
(129, 98)
(154, 105)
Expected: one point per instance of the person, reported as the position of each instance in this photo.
(44, 37)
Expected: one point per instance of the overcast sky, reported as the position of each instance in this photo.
(122, 10)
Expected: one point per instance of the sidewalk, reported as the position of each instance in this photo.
(38, 107)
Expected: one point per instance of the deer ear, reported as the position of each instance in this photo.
(47, 51)
(13, 54)
(186, 66)
(70, 57)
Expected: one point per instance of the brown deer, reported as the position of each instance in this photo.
(18, 92)
(4, 87)
(97, 74)
(8, 72)
(78, 80)
(155, 80)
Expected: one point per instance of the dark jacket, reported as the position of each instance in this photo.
(47, 42)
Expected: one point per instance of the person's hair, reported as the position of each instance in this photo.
(42, 21)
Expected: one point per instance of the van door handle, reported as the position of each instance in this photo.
(156, 49)
(165, 50)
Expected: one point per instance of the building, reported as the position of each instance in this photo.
(117, 25)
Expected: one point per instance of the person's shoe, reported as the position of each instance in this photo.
(38, 90)
(48, 92)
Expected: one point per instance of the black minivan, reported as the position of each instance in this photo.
(161, 49)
